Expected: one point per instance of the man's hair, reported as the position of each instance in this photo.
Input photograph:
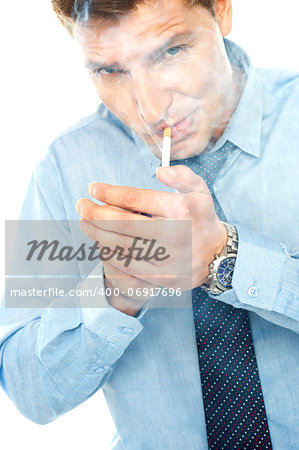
(69, 11)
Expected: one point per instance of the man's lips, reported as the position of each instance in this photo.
(183, 128)
(180, 129)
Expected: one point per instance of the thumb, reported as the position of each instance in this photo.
(181, 178)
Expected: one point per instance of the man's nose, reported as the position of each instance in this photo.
(152, 98)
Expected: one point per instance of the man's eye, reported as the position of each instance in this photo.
(108, 71)
(173, 51)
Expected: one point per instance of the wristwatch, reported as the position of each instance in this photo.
(222, 267)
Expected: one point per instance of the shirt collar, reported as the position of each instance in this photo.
(244, 128)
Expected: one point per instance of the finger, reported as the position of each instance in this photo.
(125, 304)
(127, 285)
(91, 211)
(153, 274)
(124, 222)
(112, 218)
(182, 178)
(148, 201)
(124, 248)
(104, 238)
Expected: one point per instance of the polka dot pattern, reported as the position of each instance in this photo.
(233, 400)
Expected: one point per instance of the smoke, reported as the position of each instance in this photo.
(163, 64)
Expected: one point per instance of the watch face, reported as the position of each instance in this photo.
(225, 272)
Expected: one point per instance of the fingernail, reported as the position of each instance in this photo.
(79, 207)
(169, 172)
(92, 189)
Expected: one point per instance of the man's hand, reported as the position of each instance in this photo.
(132, 292)
(192, 202)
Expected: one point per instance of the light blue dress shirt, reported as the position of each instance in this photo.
(53, 359)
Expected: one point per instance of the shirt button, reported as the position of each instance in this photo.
(253, 291)
(102, 369)
(126, 330)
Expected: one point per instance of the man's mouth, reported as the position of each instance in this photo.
(181, 129)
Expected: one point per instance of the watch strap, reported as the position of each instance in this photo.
(230, 250)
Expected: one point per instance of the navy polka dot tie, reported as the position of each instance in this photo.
(233, 400)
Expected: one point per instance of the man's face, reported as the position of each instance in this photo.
(163, 65)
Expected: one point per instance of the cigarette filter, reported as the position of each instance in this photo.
(166, 147)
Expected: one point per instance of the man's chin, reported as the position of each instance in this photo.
(185, 151)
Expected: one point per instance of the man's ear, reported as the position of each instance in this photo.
(224, 15)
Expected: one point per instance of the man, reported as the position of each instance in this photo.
(224, 373)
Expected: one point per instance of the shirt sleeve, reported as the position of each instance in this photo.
(265, 280)
(52, 359)
(60, 359)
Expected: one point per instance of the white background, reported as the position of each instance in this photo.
(44, 89)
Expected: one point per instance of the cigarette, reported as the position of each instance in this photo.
(166, 147)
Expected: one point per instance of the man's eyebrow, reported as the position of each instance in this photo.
(174, 39)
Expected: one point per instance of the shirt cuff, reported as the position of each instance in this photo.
(110, 324)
